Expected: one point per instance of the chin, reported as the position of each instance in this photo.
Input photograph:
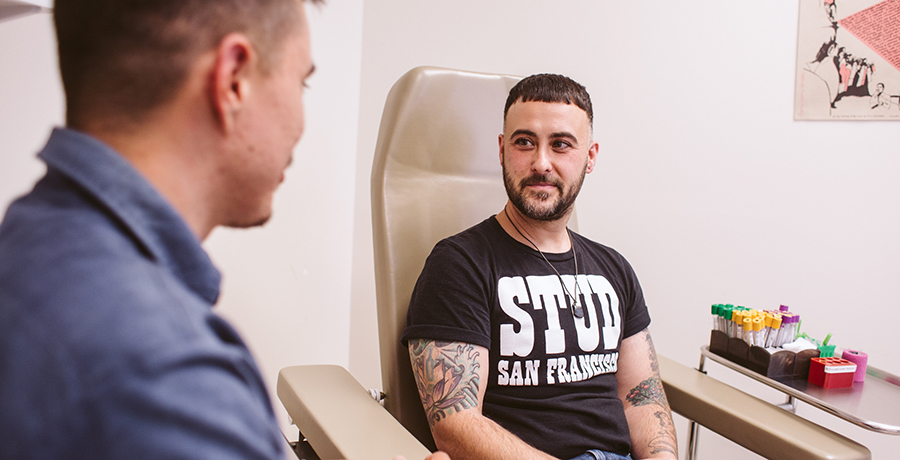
(259, 222)
(250, 221)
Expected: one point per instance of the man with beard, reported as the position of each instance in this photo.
(527, 340)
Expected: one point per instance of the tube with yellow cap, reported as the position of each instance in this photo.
(773, 326)
(757, 331)
(737, 324)
(748, 329)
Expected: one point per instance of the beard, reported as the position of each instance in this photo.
(537, 205)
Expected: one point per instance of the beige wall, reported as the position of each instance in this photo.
(704, 181)
(31, 100)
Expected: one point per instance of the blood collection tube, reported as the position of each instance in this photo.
(737, 324)
(758, 331)
(774, 329)
(748, 330)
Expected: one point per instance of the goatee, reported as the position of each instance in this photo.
(532, 208)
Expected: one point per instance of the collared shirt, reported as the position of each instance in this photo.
(109, 348)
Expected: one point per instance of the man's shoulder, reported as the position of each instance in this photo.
(475, 238)
(468, 253)
(598, 249)
(56, 213)
(55, 239)
(74, 273)
(93, 300)
(82, 309)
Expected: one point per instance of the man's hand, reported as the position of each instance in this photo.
(438, 456)
(435, 456)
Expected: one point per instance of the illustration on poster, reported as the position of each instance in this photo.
(847, 62)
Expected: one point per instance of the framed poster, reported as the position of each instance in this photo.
(848, 60)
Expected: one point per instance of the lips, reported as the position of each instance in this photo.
(541, 181)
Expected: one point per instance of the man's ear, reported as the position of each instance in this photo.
(236, 59)
(592, 156)
(500, 140)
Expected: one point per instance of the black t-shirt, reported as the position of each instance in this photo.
(551, 378)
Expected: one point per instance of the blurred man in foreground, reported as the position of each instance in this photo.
(181, 115)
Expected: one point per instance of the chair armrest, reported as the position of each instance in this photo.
(340, 419)
(758, 426)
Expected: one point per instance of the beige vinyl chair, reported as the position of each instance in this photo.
(436, 172)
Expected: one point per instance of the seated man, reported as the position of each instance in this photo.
(528, 340)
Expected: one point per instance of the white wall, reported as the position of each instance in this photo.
(287, 285)
(704, 181)
(31, 100)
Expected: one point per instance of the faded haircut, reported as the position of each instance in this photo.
(124, 58)
(547, 87)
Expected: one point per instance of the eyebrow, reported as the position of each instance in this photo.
(564, 135)
(557, 135)
(524, 132)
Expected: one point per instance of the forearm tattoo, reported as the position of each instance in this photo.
(446, 374)
(650, 393)
(664, 439)
(654, 363)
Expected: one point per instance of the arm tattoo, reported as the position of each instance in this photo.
(650, 393)
(654, 363)
(446, 374)
(664, 441)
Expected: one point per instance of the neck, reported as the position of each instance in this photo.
(548, 236)
(173, 160)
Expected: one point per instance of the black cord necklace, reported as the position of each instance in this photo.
(577, 309)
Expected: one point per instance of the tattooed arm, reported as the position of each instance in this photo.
(452, 378)
(646, 406)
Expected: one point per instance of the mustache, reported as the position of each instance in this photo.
(535, 179)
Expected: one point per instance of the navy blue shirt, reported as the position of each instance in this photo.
(108, 345)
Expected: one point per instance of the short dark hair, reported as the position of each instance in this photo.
(546, 87)
(123, 58)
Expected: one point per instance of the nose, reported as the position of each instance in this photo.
(541, 162)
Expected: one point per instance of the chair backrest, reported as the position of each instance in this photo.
(436, 172)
